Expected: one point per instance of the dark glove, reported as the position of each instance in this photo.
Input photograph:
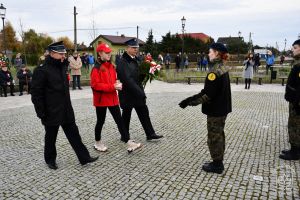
(183, 104)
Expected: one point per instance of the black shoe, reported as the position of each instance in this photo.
(90, 160)
(293, 154)
(12, 94)
(20, 94)
(79, 88)
(154, 137)
(52, 165)
(214, 167)
(289, 156)
(284, 151)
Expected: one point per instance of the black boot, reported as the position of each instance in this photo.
(246, 82)
(249, 83)
(214, 167)
(292, 154)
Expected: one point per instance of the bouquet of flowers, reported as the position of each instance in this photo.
(3, 61)
(149, 70)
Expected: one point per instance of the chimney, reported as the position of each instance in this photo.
(122, 35)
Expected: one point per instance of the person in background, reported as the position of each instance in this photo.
(75, 66)
(282, 58)
(105, 85)
(248, 70)
(24, 75)
(18, 61)
(256, 62)
(204, 62)
(270, 59)
(160, 59)
(6, 80)
(91, 61)
(178, 62)
(168, 61)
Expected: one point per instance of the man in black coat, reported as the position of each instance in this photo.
(132, 95)
(6, 80)
(51, 99)
(24, 75)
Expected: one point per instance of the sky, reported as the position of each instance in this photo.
(268, 21)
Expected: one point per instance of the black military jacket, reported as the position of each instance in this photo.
(217, 89)
(5, 77)
(24, 77)
(50, 93)
(292, 90)
(132, 93)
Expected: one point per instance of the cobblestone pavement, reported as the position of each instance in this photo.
(255, 132)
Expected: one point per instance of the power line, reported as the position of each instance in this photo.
(89, 29)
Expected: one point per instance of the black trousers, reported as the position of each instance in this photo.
(143, 114)
(72, 134)
(76, 81)
(116, 113)
(21, 86)
(4, 87)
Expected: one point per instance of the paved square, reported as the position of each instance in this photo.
(256, 132)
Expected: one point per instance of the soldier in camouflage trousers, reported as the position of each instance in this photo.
(292, 95)
(216, 104)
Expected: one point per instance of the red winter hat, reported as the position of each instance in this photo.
(103, 47)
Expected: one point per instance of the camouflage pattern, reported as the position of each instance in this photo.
(216, 137)
(294, 127)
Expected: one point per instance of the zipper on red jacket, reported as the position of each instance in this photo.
(111, 82)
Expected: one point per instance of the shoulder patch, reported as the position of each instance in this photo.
(211, 76)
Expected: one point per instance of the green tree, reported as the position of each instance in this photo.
(10, 37)
(67, 42)
(237, 46)
(35, 45)
(149, 46)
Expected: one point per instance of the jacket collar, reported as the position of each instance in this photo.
(296, 61)
(100, 62)
(128, 58)
(54, 62)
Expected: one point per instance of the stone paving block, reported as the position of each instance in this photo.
(255, 132)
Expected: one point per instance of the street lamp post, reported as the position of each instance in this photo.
(284, 45)
(2, 14)
(239, 34)
(183, 25)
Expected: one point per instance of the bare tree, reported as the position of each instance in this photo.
(22, 35)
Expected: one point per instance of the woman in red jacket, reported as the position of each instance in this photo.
(104, 84)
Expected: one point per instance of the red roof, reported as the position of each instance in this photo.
(200, 36)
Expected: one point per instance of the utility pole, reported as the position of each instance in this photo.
(75, 29)
(137, 33)
(250, 42)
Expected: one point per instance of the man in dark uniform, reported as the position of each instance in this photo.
(132, 95)
(6, 79)
(24, 75)
(52, 103)
(216, 104)
(292, 95)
